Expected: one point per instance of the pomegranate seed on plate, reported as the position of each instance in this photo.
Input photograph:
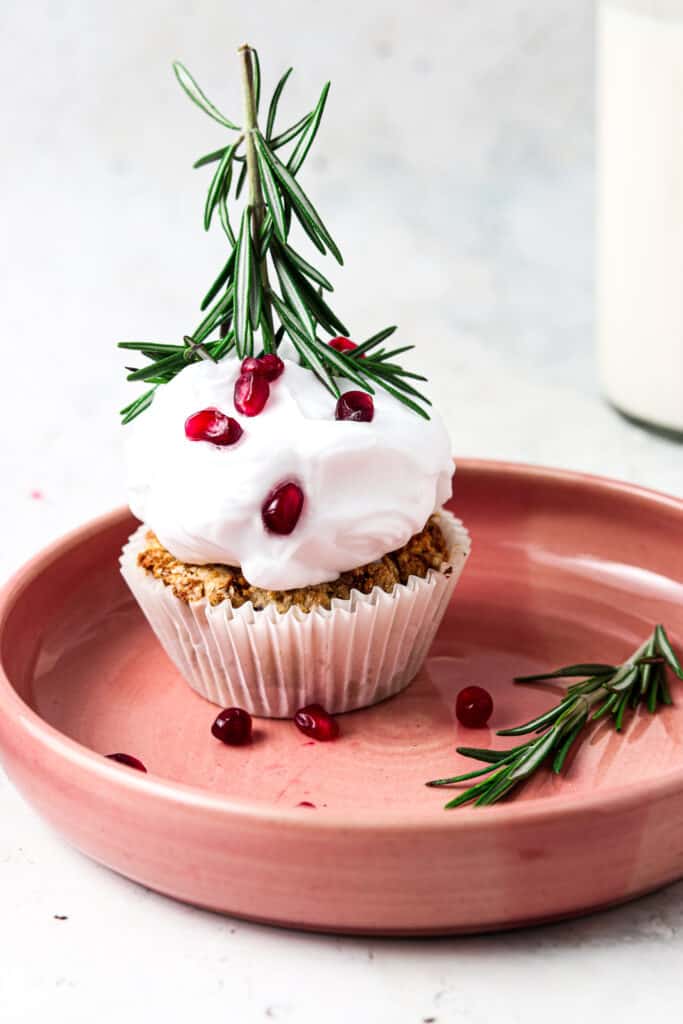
(214, 426)
(314, 721)
(473, 706)
(355, 405)
(128, 760)
(232, 726)
(281, 510)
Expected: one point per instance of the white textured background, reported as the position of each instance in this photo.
(455, 168)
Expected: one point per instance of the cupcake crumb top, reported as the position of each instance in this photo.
(426, 550)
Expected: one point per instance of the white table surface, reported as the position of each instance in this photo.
(456, 169)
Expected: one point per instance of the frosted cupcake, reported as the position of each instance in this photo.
(294, 548)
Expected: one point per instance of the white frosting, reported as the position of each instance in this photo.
(368, 487)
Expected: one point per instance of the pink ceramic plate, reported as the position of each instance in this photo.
(564, 567)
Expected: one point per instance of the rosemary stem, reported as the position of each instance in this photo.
(256, 201)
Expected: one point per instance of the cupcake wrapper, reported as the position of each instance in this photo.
(358, 652)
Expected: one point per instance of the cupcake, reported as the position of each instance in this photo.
(294, 548)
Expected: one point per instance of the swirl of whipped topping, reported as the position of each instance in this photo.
(368, 487)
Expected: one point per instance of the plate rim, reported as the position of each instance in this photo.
(535, 810)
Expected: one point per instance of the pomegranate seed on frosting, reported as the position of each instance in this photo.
(269, 366)
(343, 345)
(214, 426)
(355, 405)
(250, 365)
(251, 393)
(282, 508)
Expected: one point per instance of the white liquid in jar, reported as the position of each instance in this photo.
(640, 208)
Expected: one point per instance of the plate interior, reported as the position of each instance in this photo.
(552, 579)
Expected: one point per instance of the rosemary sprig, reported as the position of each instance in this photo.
(243, 310)
(606, 691)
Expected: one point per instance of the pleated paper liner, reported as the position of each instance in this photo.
(358, 652)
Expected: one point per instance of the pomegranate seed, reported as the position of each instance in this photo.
(233, 726)
(305, 803)
(269, 366)
(251, 393)
(473, 706)
(281, 510)
(128, 760)
(214, 426)
(249, 365)
(342, 344)
(314, 721)
(355, 405)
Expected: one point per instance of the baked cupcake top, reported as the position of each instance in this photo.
(268, 440)
(360, 489)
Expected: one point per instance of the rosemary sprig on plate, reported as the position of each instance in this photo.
(243, 304)
(607, 691)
